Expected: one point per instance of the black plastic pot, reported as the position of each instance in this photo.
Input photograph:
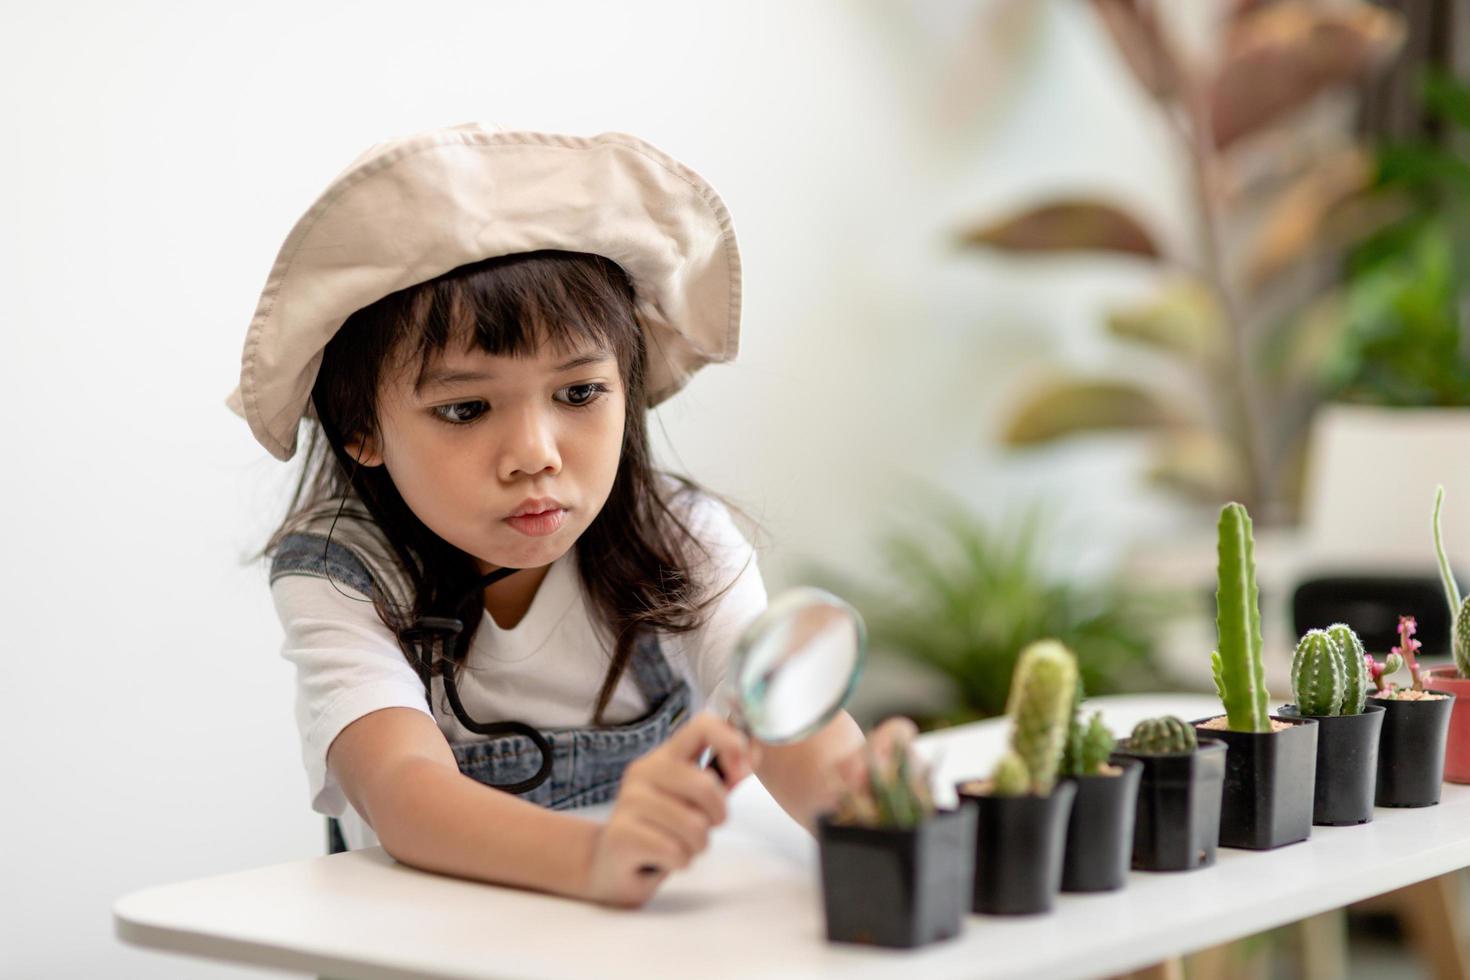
(1411, 750)
(1019, 843)
(1270, 779)
(1347, 765)
(1177, 823)
(1100, 829)
(892, 886)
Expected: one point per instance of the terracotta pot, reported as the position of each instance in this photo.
(1457, 746)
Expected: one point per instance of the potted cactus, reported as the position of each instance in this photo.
(1329, 679)
(1177, 823)
(1100, 829)
(1454, 679)
(1270, 761)
(890, 834)
(1416, 721)
(1022, 810)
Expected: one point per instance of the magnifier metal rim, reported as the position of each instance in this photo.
(802, 595)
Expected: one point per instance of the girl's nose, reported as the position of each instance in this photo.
(529, 446)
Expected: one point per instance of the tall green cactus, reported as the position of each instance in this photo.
(1168, 735)
(1459, 611)
(1318, 675)
(1043, 688)
(1240, 672)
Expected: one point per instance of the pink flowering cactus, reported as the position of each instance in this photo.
(1406, 648)
(1397, 657)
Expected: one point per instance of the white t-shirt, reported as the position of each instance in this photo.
(545, 672)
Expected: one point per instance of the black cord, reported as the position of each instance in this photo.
(430, 635)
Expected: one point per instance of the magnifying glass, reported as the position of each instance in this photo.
(792, 670)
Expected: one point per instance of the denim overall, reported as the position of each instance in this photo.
(587, 762)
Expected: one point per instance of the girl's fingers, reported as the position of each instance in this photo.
(707, 730)
(658, 848)
(674, 817)
(692, 786)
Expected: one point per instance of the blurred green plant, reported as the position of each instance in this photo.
(964, 598)
(1402, 343)
(1275, 176)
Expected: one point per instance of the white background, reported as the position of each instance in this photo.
(158, 153)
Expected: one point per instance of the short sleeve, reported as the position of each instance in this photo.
(348, 664)
(731, 563)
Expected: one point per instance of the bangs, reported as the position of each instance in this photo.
(511, 306)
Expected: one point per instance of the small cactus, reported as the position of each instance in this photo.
(1163, 736)
(1039, 705)
(1238, 667)
(1459, 610)
(1329, 672)
(895, 795)
(1355, 697)
(1088, 745)
(1010, 777)
(1318, 675)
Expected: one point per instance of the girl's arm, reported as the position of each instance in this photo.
(396, 769)
(805, 776)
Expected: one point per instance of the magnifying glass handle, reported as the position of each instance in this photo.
(707, 760)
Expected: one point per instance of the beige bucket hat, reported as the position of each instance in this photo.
(414, 207)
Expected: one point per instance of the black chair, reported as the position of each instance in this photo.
(1372, 605)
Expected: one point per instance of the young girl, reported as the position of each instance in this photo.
(482, 574)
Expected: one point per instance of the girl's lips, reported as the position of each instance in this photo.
(538, 525)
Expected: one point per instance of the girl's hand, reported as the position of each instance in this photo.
(664, 809)
(852, 769)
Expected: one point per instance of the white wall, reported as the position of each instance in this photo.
(159, 152)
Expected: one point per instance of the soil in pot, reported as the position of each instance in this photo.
(1411, 751)
(1099, 842)
(1019, 845)
(896, 886)
(1266, 799)
(1457, 744)
(1347, 765)
(1176, 825)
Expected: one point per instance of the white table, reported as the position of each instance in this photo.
(750, 906)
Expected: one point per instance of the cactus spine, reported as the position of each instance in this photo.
(1318, 675)
(1166, 735)
(1459, 617)
(1043, 689)
(1237, 665)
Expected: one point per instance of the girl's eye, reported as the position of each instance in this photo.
(459, 413)
(584, 395)
(463, 413)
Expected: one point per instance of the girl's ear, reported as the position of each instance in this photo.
(364, 449)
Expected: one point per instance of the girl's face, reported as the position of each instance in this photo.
(479, 434)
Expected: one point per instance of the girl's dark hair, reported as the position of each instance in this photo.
(635, 558)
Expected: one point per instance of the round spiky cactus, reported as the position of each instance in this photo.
(1355, 691)
(1318, 674)
(1163, 736)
